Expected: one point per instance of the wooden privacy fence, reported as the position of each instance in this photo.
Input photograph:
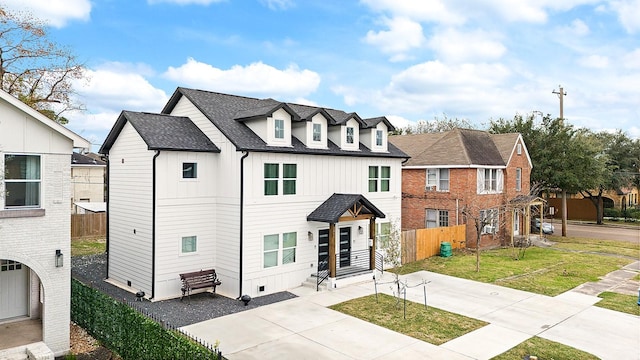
(424, 243)
(84, 225)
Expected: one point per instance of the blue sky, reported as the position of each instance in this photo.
(408, 60)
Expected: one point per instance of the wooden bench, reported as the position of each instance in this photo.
(198, 280)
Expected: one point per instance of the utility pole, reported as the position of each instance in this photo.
(561, 93)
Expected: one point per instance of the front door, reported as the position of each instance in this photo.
(14, 289)
(345, 246)
(323, 249)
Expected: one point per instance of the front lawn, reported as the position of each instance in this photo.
(88, 246)
(432, 325)
(619, 302)
(544, 349)
(542, 270)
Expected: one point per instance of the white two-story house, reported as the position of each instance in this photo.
(267, 193)
(35, 246)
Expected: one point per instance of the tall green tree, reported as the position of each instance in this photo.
(35, 69)
(437, 125)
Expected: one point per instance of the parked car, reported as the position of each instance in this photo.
(547, 228)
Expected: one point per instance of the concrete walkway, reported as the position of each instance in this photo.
(304, 328)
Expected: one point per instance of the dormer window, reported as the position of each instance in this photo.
(317, 132)
(378, 137)
(279, 129)
(349, 135)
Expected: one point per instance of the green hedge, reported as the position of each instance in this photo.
(129, 333)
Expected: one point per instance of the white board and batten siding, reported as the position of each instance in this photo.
(130, 208)
(318, 177)
(184, 207)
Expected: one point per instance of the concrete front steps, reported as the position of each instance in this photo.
(35, 351)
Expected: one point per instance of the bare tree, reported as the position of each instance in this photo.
(34, 69)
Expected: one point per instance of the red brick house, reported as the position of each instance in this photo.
(464, 168)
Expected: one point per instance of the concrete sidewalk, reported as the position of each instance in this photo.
(304, 328)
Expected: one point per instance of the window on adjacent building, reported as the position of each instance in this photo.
(379, 178)
(22, 180)
(189, 244)
(289, 179)
(490, 181)
(350, 139)
(489, 220)
(271, 176)
(436, 218)
(271, 246)
(189, 170)
(279, 128)
(438, 179)
(383, 232)
(518, 179)
(289, 243)
(317, 132)
(378, 137)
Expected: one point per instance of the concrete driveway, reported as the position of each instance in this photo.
(304, 328)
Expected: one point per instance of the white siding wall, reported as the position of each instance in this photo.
(130, 210)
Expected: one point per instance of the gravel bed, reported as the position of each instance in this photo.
(92, 269)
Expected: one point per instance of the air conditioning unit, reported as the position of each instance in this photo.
(488, 229)
(430, 188)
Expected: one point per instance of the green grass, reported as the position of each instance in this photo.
(544, 350)
(619, 302)
(432, 325)
(542, 270)
(88, 246)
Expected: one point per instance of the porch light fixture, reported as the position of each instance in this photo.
(59, 258)
(360, 230)
(310, 235)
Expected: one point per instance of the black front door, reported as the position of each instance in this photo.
(345, 246)
(323, 249)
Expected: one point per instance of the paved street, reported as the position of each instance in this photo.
(592, 231)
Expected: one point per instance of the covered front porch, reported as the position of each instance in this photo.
(336, 259)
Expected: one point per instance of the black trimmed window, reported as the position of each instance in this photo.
(289, 174)
(189, 170)
(271, 176)
(379, 178)
(350, 136)
(272, 179)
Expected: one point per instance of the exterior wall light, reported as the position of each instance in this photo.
(59, 258)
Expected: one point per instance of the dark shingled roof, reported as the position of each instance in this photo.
(223, 110)
(162, 132)
(337, 204)
(462, 147)
(81, 159)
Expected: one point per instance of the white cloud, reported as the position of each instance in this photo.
(278, 4)
(628, 14)
(402, 36)
(424, 10)
(594, 61)
(56, 13)
(184, 2)
(577, 27)
(256, 78)
(457, 46)
(399, 122)
(632, 59)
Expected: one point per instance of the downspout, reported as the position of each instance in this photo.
(246, 153)
(153, 227)
(106, 189)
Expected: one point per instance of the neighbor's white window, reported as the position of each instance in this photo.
(383, 232)
(438, 179)
(436, 218)
(350, 138)
(317, 132)
(189, 170)
(189, 244)
(518, 179)
(289, 243)
(489, 220)
(22, 181)
(279, 128)
(271, 245)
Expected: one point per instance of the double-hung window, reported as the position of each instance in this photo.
(278, 128)
(489, 219)
(436, 218)
(490, 181)
(378, 137)
(519, 179)
(276, 253)
(438, 179)
(379, 178)
(383, 233)
(22, 180)
(272, 179)
(350, 138)
(317, 132)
